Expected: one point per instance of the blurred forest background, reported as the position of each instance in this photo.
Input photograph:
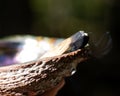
(56, 18)
(62, 18)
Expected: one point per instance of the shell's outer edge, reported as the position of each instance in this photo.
(42, 74)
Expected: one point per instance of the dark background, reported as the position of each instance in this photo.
(96, 77)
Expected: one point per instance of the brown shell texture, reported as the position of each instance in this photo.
(40, 75)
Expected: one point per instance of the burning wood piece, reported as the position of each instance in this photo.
(45, 73)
